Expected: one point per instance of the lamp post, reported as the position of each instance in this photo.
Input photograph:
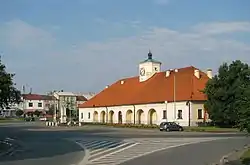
(175, 71)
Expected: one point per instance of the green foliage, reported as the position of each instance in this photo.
(19, 112)
(37, 113)
(245, 158)
(8, 93)
(51, 110)
(228, 98)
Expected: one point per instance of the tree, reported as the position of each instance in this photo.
(228, 99)
(37, 113)
(19, 113)
(8, 93)
(51, 110)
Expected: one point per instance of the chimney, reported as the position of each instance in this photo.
(167, 73)
(209, 73)
(197, 73)
(122, 82)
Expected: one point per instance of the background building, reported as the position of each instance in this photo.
(33, 102)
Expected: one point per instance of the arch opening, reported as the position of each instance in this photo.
(111, 116)
(120, 117)
(95, 116)
(102, 117)
(140, 116)
(129, 116)
(152, 117)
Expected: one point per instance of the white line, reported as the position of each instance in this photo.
(105, 143)
(114, 152)
(95, 151)
(110, 150)
(96, 144)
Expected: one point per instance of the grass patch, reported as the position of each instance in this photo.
(186, 129)
(210, 129)
(6, 120)
(245, 158)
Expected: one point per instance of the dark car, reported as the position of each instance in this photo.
(170, 126)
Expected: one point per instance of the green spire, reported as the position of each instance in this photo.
(150, 58)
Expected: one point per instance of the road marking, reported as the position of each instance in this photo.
(122, 149)
(119, 146)
(141, 147)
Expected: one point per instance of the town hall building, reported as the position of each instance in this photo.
(152, 97)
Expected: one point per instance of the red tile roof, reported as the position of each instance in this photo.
(37, 97)
(157, 89)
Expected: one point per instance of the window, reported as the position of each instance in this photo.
(200, 116)
(179, 114)
(30, 104)
(89, 115)
(164, 114)
(40, 104)
(81, 115)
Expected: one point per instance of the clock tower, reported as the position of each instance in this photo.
(148, 68)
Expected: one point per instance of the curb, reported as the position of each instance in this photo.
(226, 158)
(84, 160)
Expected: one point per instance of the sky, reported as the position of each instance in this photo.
(84, 45)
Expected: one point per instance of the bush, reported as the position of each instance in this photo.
(126, 125)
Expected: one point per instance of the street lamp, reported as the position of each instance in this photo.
(175, 71)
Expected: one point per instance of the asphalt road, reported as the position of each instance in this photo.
(38, 147)
(52, 146)
(204, 153)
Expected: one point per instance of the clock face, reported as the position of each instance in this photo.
(142, 71)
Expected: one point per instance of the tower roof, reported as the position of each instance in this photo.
(150, 58)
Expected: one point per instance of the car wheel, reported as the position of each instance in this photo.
(180, 129)
(161, 130)
(167, 129)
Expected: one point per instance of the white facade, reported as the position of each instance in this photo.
(148, 69)
(141, 114)
(65, 100)
(33, 105)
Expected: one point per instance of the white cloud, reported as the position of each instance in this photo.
(222, 27)
(95, 64)
(23, 36)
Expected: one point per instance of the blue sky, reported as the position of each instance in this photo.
(84, 45)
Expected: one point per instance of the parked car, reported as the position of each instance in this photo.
(170, 126)
(43, 119)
